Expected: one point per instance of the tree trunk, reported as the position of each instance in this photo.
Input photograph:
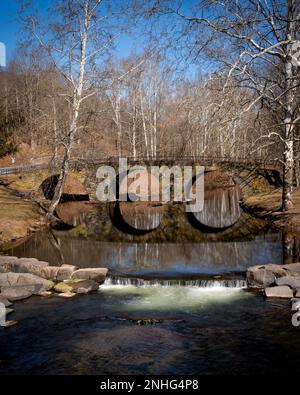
(55, 129)
(288, 128)
(60, 184)
(288, 172)
(77, 99)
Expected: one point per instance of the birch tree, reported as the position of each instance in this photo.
(75, 38)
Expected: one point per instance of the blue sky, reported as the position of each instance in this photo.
(10, 27)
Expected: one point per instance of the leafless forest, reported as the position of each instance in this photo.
(204, 78)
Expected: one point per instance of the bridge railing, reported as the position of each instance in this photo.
(114, 160)
(25, 168)
(183, 159)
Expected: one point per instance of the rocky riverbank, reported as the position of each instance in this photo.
(21, 278)
(277, 281)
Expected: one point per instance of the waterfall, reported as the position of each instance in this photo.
(200, 283)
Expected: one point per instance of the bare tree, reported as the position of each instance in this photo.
(75, 38)
(249, 39)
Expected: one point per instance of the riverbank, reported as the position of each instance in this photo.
(18, 217)
(266, 205)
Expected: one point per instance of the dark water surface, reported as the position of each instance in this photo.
(209, 331)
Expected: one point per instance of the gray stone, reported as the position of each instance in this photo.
(293, 282)
(22, 265)
(63, 287)
(21, 279)
(34, 261)
(88, 286)
(16, 293)
(67, 295)
(75, 285)
(259, 276)
(9, 311)
(282, 291)
(65, 272)
(297, 293)
(36, 267)
(45, 293)
(292, 267)
(97, 274)
(57, 273)
(6, 302)
(50, 272)
(85, 286)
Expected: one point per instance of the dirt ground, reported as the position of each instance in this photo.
(18, 217)
(267, 205)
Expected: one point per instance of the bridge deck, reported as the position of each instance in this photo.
(270, 164)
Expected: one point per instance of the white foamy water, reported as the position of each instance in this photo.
(172, 295)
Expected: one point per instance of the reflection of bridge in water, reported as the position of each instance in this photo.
(221, 203)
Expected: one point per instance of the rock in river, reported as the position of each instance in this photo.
(266, 275)
(293, 282)
(25, 279)
(22, 265)
(58, 273)
(97, 274)
(77, 286)
(67, 295)
(260, 276)
(282, 291)
(16, 293)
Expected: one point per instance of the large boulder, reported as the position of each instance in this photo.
(16, 293)
(293, 282)
(97, 274)
(266, 275)
(63, 287)
(85, 286)
(65, 272)
(50, 272)
(76, 286)
(36, 267)
(259, 276)
(58, 273)
(292, 267)
(22, 265)
(282, 291)
(25, 279)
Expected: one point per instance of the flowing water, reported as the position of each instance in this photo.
(166, 308)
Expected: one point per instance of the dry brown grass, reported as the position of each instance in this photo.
(17, 216)
(268, 204)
